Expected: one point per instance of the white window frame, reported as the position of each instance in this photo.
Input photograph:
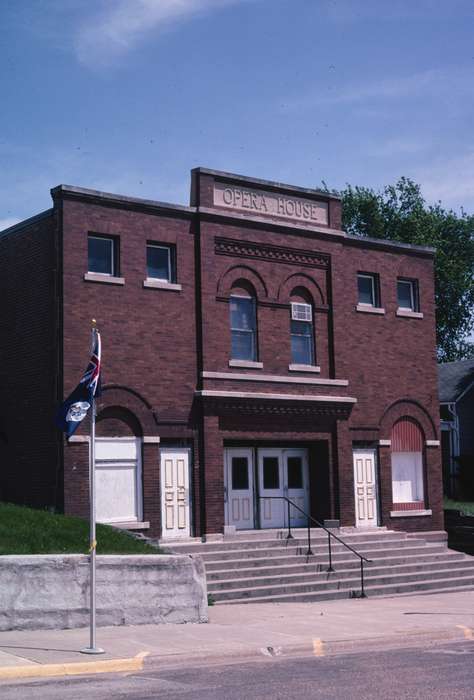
(310, 322)
(375, 301)
(113, 255)
(170, 262)
(413, 294)
(248, 297)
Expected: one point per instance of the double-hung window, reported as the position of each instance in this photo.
(243, 325)
(368, 289)
(302, 336)
(407, 294)
(102, 255)
(160, 262)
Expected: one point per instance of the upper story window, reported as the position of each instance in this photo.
(160, 262)
(407, 294)
(102, 255)
(368, 286)
(302, 335)
(243, 326)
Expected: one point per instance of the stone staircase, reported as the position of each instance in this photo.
(263, 566)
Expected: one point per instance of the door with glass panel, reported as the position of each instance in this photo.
(270, 486)
(238, 482)
(295, 472)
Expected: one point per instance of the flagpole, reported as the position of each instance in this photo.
(92, 648)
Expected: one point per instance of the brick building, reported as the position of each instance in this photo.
(251, 349)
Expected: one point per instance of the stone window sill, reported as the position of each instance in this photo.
(410, 513)
(152, 283)
(408, 313)
(304, 368)
(104, 279)
(131, 525)
(368, 309)
(246, 363)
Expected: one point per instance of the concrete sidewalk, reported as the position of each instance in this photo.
(245, 631)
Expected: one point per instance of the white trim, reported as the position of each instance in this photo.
(155, 283)
(410, 513)
(86, 438)
(274, 378)
(432, 443)
(107, 279)
(369, 309)
(408, 313)
(276, 397)
(250, 364)
(385, 443)
(304, 368)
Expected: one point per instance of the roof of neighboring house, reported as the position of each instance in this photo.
(454, 378)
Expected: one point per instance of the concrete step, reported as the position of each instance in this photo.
(303, 566)
(368, 550)
(334, 584)
(300, 540)
(293, 557)
(462, 583)
(428, 569)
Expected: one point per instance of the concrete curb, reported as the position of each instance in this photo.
(75, 668)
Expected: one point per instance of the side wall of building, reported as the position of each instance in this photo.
(29, 332)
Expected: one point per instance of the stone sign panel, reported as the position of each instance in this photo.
(270, 203)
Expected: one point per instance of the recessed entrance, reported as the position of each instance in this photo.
(269, 473)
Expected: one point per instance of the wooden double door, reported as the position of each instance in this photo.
(256, 482)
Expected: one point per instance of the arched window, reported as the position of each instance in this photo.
(301, 328)
(243, 323)
(407, 463)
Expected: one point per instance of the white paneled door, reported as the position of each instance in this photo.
(365, 485)
(175, 511)
(238, 482)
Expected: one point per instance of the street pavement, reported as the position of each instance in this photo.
(441, 672)
(239, 633)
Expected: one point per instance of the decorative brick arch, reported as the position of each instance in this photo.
(300, 279)
(241, 272)
(410, 410)
(120, 404)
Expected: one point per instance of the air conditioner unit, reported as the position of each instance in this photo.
(301, 312)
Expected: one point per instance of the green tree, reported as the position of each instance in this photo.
(400, 213)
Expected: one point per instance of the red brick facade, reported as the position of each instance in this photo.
(166, 351)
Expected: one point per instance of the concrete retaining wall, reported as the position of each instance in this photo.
(52, 591)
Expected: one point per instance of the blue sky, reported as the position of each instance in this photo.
(128, 95)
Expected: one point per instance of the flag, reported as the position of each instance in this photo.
(74, 409)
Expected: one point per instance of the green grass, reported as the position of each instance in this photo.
(28, 531)
(466, 507)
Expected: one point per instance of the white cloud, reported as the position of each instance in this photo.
(8, 221)
(123, 24)
(454, 81)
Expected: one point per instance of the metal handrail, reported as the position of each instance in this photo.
(330, 534)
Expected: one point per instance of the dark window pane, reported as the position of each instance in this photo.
(295, 473)
(405, 295)
(271, 473)
(158, 262)
(243, 347)
(302, 348)
(240, 474)
(366, 289)
(100, 254)
(242, 313)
